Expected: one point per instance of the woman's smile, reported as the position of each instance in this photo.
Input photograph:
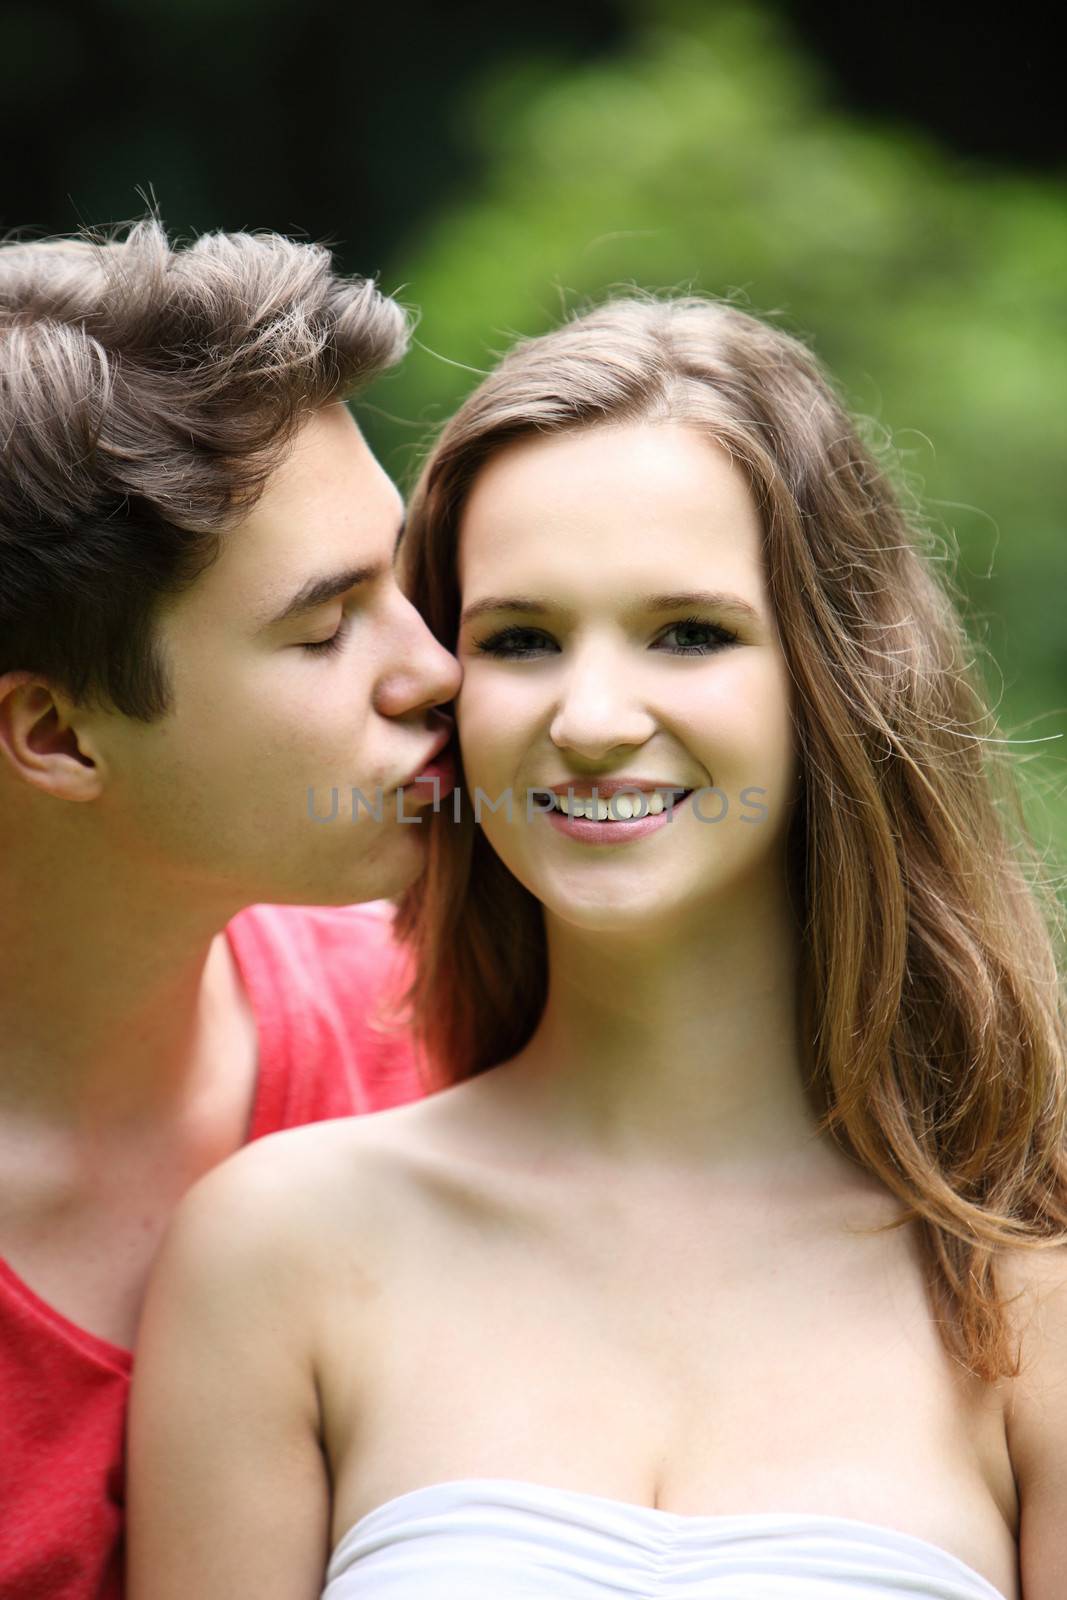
(626, 817)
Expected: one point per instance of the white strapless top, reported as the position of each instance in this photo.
(500, 1539)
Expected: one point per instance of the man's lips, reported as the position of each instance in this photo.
(437, 761)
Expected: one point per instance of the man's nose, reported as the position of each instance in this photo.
(422, 674)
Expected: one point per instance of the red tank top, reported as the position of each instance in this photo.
(313, 975)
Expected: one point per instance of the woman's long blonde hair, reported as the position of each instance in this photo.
(931, 1013)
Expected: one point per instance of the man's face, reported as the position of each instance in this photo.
(276, 701)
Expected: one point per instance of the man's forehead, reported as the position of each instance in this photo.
(328, 519)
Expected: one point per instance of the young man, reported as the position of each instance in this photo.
(201, 639)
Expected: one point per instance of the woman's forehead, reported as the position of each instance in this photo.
(659, 502)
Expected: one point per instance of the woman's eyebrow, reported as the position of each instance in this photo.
(712, 599)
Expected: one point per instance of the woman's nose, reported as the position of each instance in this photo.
(599, 708)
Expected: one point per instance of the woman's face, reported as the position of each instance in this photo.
(616, 624)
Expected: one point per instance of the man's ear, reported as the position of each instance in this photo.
(40, 741)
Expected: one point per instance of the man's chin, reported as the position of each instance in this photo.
(379, 879)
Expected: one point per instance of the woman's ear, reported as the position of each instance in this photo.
(41, 741)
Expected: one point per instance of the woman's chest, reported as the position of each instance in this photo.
(702, 1371)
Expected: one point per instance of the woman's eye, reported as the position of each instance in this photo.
(512, 643)
(508, 642)
(714, 637)
(323, 647)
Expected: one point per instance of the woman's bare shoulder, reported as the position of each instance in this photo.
(260, 1234)
(1035, 1283)
(298, 1183)
(295, 1172)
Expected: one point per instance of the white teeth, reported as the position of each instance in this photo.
(625, 807)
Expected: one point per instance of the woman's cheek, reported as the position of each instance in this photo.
(482, 727)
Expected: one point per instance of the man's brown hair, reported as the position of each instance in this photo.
(147, 392)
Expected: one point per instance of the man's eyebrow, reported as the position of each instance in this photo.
(317, 591)
(709, 599)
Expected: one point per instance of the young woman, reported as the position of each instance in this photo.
(740, 1275)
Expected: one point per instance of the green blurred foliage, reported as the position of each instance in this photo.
(708, 156)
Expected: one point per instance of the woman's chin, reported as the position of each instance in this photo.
(625, 917)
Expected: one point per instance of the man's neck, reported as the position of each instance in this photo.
(128, 1065)
(118, 996)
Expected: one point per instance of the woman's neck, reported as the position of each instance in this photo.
(679, 1049)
